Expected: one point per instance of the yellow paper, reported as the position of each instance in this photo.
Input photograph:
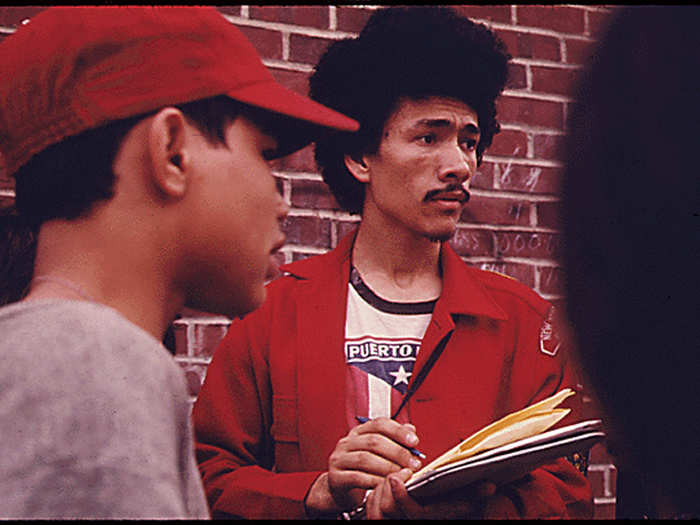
(524, 423)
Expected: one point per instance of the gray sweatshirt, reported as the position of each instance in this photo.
(94, 418)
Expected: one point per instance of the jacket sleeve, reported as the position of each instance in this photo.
(232, 419)
(541, 368)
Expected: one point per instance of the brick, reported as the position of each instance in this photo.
(509, 143)
(6, 183)
(206, 338)
(604, 511)
(529, 45)
(548, 146)
(300, 256)
(600, 454)
(551, 280)
(12, 16)
(597, 480)
(295, 80)
(556, 17)
(472, 242)
(492, 13)
(527, 244)
(554, 80)
(306, 49)
(523, 273)
(578, 51)
(309, 231)
(517, 77)
(299, 161)
(603, 479)
(483, 178)
(531, 179)
(345, 227)
(233, 10)
(313, 195)
(548, 214)
(352, 19)
(535, 112)
(6, 202)
(598, 22)
(496, 210)
(180, 335)
(187, 313)
(311, 16)
(267, 42)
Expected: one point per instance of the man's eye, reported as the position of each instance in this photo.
(427, 139)
(469, 144)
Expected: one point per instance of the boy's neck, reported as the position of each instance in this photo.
(105, 271)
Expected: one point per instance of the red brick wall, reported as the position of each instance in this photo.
(510, 224)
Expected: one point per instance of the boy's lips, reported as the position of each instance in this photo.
(273, 267)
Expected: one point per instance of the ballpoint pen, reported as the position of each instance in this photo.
(412, 450)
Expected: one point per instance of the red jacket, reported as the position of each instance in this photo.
(272, 407)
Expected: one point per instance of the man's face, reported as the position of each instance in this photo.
(236, 222)
(419, 176)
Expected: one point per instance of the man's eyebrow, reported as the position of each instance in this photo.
(445, 123)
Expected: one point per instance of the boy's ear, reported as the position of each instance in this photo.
(169, 157)
(357, 165)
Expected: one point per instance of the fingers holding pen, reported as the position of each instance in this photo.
(377, 447)
(367, 454)
(394, 441)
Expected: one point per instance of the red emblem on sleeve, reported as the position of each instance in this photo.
(549, 340)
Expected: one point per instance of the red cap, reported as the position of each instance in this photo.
(74, 68)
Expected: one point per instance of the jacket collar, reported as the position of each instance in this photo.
(462, 292)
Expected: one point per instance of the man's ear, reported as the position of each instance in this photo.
(357, 165)
(168, 153)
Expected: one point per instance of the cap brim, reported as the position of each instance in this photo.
(303, 119)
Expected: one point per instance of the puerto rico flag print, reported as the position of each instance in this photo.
(379, 370)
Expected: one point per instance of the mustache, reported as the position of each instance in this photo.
(448, 189)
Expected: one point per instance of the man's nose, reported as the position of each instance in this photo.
(456, 164)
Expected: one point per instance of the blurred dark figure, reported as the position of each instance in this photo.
(17, 252)
(630, 220)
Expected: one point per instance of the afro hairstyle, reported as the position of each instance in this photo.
(403, 52)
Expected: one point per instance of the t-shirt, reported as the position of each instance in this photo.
(382, 341)
(94, 418)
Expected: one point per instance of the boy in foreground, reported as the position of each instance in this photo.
(138, 138)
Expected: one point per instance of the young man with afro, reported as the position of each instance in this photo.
(390, 340)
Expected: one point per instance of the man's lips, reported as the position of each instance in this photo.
(460, 195)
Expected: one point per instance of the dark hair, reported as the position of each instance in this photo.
(413, 52)
(17, 252)
(630, 222)
(66, 179)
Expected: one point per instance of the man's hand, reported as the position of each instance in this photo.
(391, 500)
(360, 461)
